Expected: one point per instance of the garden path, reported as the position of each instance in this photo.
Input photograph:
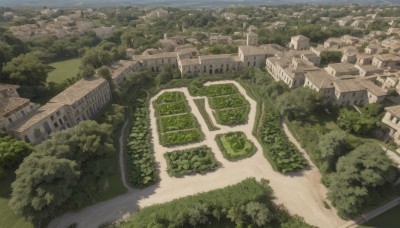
(300, 192)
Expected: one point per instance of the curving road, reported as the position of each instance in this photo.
(301, 192)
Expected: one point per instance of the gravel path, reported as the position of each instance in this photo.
(301, 192)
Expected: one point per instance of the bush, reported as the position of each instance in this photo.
(186, 162)
(235, 145)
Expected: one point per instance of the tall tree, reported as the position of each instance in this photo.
(358, 178)
(299, 102)
(12, 151)
(63, 172)
(332, 145)
(26, 70)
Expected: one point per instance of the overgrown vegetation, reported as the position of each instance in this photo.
(185, 162)
(279, 151)
(12, 152)
(246, 204)
(235, 145)
(63, 172)
(141, 164)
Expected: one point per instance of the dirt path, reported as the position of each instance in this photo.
(300, 192)
(122, 163)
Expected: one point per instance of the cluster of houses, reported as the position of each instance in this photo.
(71, 25)
(360, 78)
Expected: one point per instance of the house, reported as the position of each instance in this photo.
(299, 43)
(392, 120)
(390, 61)
(368, 70)
(252, 39)
(392, 31)
(341, 69)
(102, 32)
(121, 68)
(77, 103)
(321, 81)
(13, 108)
(357, 92)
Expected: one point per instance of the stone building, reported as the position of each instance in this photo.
(390, 61)
(299, 43)
(79, 102)
(392, 120)
(252, 39)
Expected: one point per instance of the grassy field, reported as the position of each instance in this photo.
(63, 70)
(7, 217)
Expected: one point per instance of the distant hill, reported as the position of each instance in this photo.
(180, 3)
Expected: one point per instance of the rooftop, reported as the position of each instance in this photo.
(395, 110)
(4, 87)
(39, 115)
(250, 50)
(118, 67)
(320, 78)
(211, 57)
(78, 90)
(159, 56)
(343, 67)
(300, 37)
(388, 57)
(351, 85)
(11, 104)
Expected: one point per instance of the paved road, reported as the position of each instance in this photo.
(301, 192)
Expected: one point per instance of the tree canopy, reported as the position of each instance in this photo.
(26, 70)
(332, 146)
(12, 152)
(63, 172)
(358, 177)
(299, 102)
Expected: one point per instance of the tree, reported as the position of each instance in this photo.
(104, 72)
(26, 70)
(164, 76)
(358, 177)
(12, 152)
(360, 123)
(332, 146)
(86, 71)
(198, 214)
(63, 172)
(328, 57)
(276, 88)
(259, 213)
(236, 214)
(299, 102)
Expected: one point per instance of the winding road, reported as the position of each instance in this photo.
(301, 193)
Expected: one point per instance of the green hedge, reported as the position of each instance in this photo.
(226, 143)
(196, 160)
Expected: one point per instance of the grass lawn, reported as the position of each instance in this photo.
(200, 103)
(63, 70)
(7, 217)
(235, 145)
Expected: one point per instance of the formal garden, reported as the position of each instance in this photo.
(230, 107)
(235, 145)
(176, 124)
(191, 161)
